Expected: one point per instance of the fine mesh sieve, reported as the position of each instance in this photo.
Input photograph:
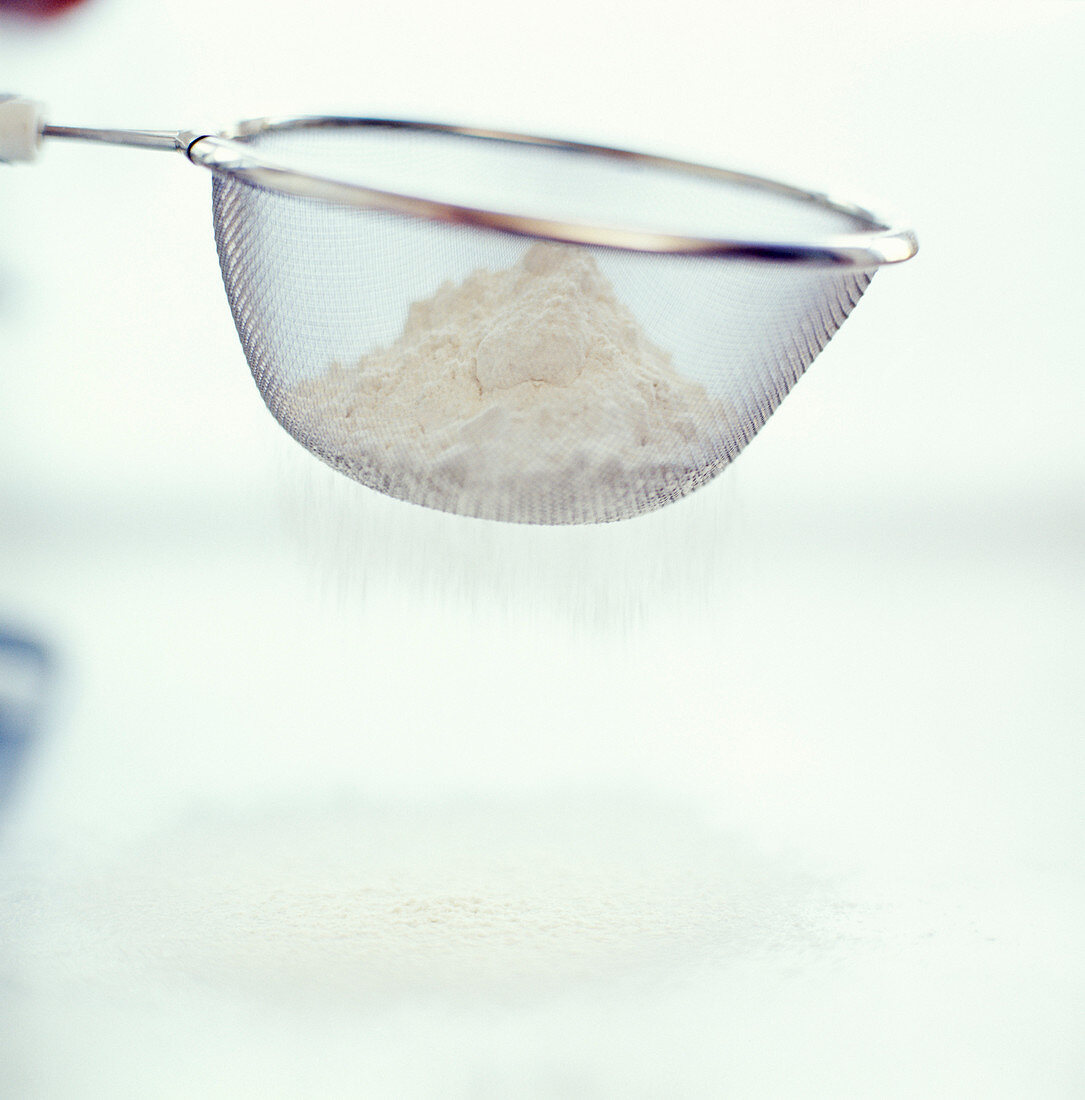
(331, 230)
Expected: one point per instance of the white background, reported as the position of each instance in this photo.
(774, 792)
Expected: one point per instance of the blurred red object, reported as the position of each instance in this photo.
(38, 8)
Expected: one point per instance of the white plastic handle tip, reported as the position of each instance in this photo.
(20, 129)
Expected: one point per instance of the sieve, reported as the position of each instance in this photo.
(330, 229)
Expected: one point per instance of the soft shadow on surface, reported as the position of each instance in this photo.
(356, 901)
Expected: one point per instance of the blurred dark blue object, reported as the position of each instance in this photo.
(26, 674)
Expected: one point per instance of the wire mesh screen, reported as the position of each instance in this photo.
(485, 373)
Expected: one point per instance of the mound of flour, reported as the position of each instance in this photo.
(528, 394)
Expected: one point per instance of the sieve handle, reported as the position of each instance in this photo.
(23, 126)
(172, 140)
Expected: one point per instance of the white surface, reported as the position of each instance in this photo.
(776, 792)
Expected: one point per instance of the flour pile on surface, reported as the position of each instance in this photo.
(529, 394)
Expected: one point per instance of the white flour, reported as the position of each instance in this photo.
(529, 394)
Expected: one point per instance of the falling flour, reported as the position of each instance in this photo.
(527, 394)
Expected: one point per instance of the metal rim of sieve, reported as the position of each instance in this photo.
(881, 243)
